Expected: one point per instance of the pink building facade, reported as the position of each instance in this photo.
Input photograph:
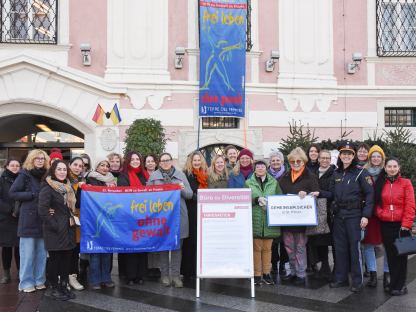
(132, 53)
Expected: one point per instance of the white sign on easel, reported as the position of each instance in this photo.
(225, 235)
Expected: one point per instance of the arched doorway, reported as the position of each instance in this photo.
(210, 151)
(20, 133)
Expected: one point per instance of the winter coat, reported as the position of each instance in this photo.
(57, 232)
(26, 189)
(237, 181)
(178, 176)
(259, 215)
(123, 179)
(94, 181)
(8, 223)
(398, 202)
(373, 228)
(307, 182)
(217, 184)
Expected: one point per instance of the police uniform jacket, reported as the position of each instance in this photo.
(353, 193)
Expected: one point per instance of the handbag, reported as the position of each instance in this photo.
(405, 245)
(322, 227)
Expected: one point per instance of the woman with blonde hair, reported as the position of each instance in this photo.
(32, 250)
(218, 173)
(299, 181)
(196, 172)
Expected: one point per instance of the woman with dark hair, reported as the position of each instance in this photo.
(313, 155)
(56, 208)
(76, 166)
(362, 154)
(86, 159)
(352, 193)
(299, 181)
(32, 250)
(196, 172)
(150, 163)
(395, 207)
(100, 263)
(168, 174)
(134, 174)
(8, 222)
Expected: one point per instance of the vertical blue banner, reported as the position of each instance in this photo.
(222, 58)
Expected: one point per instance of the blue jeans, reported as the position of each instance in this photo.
(370, 258)
(100, 268)
(32, 262)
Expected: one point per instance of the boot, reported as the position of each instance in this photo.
(6, 279)
(386, 281)
(73, 282)
(372, 282)
(66, 289)
(58, 294)
(324, 271)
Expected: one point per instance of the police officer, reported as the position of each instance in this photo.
(352, 191)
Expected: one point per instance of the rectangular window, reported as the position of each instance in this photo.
(29, 21)
(400, 116)
(220, 123)
(396, 27)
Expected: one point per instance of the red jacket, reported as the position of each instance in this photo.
(398, 202)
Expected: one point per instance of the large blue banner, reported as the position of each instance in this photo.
(222, 58)
(124, 219)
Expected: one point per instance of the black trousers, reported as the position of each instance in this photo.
(347, 236)
(58, 266)
(74, 267)
(188, 264)
(135, 265)
(279, 253)
(6, 257)
(397, 264)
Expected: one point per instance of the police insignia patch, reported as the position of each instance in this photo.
(369, 180)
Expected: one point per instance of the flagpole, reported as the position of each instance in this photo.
(199, 132)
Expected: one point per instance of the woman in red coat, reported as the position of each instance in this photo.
(395, 207)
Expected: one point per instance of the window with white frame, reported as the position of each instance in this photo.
(29, 21)
(396, 27)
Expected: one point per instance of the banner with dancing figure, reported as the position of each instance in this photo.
(126, 219)
(222, 58)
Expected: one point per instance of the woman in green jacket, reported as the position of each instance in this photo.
(262, 184)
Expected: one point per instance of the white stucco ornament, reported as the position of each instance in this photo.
(108, 139)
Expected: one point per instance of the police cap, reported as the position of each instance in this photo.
(347, 146)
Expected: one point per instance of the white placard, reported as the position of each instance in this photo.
(287, 210)
(225, 234)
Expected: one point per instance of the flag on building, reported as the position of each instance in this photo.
(115, 115)
(98, 117)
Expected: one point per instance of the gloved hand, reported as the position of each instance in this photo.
(262, 201)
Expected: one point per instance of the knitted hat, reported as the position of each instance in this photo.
(246, 152)
(376, 148)
(347, 146)
(55, 154)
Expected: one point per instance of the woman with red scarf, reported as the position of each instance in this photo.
(134, 174)
(196, 172)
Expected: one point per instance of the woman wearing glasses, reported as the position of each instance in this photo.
(32, 247)
(168, 174)
(100, 263)
(300, 181)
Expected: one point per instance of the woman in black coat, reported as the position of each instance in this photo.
(133, 174)
(8, 221)
(32, 250)
(56, 209)
(321, 242)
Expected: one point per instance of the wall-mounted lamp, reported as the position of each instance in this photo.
(357, 57)
(86, 53)
(179, 57)
(274, 57)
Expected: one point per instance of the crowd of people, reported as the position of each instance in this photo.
(362, 202)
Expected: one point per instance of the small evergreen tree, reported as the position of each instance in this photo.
(146, 136)
(299, 137)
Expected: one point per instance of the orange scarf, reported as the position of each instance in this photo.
(201, 177)
(296, 174)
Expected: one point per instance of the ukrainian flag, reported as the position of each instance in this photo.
(115, 115)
